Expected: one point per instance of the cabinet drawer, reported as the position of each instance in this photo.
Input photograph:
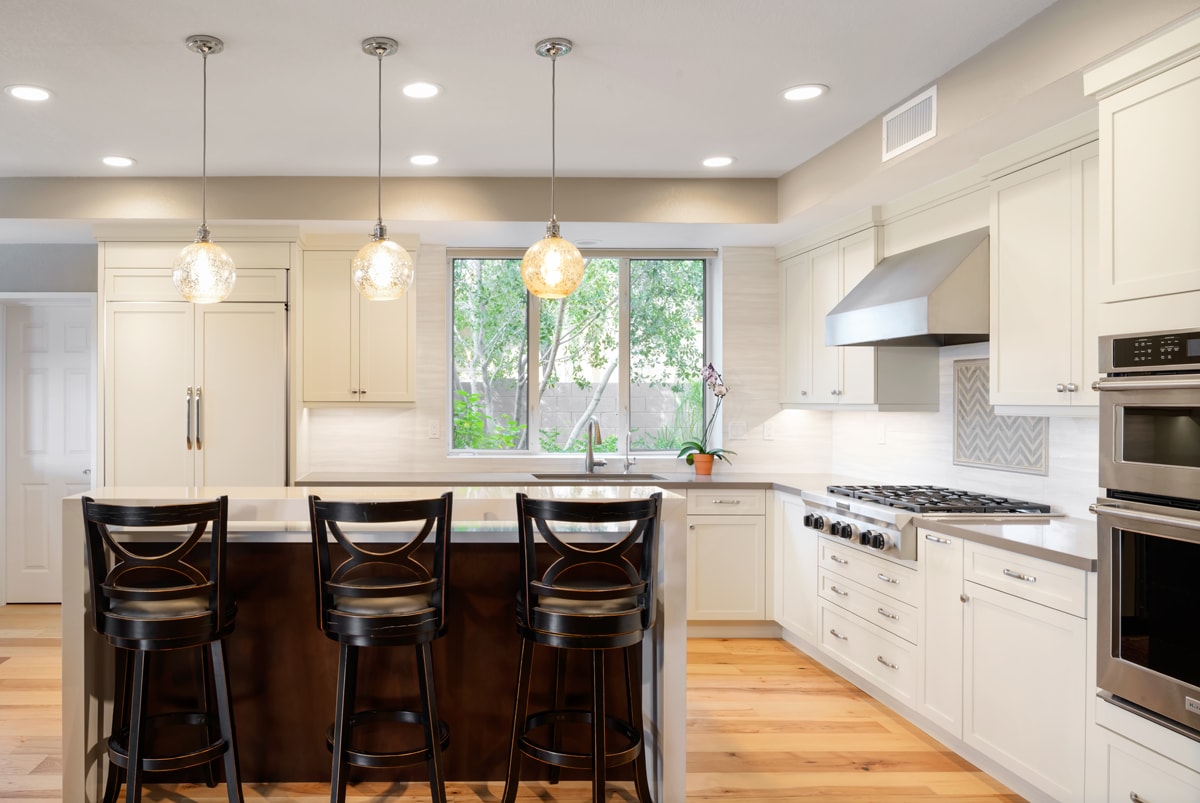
(1060, 587)
(154, 284)
(892, 615)
(888, 661)
(873, 572)
(247, 255)
(741, 502)
(1135, 773)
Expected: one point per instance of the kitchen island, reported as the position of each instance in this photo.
(282, 667)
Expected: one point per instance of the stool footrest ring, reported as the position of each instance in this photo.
(576, 760)
(118, 743)
(388, 759)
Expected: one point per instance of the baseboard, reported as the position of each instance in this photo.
(737, 629)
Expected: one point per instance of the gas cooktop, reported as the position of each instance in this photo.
(935, 499)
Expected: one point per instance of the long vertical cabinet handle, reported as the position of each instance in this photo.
(199, 420)
(189, 418)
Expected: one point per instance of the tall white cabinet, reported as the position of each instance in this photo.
(194, 394)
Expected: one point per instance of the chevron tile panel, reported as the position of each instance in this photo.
(986, 440)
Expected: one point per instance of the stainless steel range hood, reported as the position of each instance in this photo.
(935, 295)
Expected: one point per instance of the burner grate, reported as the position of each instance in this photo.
(936, 499)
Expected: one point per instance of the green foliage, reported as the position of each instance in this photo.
(471, 426)
(548, 438)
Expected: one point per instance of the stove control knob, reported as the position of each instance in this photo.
(864, 537)
(815, 521)
(808, 519)
(835, 528)
(849, 531)
(880, 541)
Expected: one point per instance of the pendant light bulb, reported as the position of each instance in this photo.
(382, 270)
(204, 273)
(552, 267)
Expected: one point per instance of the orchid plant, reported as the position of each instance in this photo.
(711, 378)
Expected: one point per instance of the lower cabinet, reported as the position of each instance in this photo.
(1135, 773)
(727, 555)
(797, 569)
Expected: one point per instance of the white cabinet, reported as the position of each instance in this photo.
(1135, 773)
(797, 570)
(940, 686)
(355, 350)
(1043, 303)
(861, 377)
(726, 558)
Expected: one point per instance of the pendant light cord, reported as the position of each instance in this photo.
(204, 143)
(553, 140)
(379, 140)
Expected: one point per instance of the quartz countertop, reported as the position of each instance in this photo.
(1059, 539)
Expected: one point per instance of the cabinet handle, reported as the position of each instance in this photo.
(887, 579)
(362, 392)
(1060, 387)
(963, 598)
(718, 501)
(835, 393)
(354, 391)
(839, 591)
(885, 662)
(1136, 798)
(804, 393)
(891, 616)
(1028, 578)
(1072, 387)
(189, 418)
(836, 559)
(199, 420)
(838, 635)
(936, 539)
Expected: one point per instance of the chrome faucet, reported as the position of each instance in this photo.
(590, 462)
(630, 462)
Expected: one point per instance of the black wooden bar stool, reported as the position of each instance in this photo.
(148, 598)
(383, 594)
(591, 597)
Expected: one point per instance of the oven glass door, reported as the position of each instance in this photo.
(1150, 436)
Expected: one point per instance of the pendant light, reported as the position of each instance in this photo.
(203, 272)
(382, 270)
(552, 267)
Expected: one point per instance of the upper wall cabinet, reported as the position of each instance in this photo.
(355, 350)
(1043, 323)
(1150, 166)
(851, 377)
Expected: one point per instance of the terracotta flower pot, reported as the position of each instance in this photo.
(703, 463)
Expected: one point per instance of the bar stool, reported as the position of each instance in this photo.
(591, 597)
(383, 595)
(146, 600)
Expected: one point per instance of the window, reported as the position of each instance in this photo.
(625, 348)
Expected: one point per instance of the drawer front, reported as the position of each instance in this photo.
(271, 256)
(1133, 776)
(888, 661)
(892, 579)
(896, 617)
(739, 502)
(1060, 587)
(154, 284)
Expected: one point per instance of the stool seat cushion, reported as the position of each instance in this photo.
(550, 602)
(380, 606)
(159, 608)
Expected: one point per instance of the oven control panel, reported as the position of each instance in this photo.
(1178, 350)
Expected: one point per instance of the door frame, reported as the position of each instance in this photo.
(32, 299)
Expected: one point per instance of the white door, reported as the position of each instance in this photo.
(50, 420)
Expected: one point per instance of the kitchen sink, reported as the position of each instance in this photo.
(579, 476)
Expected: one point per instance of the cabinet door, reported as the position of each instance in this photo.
(1085, 171)
(826, 292)
(798, 574)
(148, 370)
(1138, 774)
(386, 364)
(726, 567)
(241, 376)
(796, 315)
(1025, 672)
(940, 685)
(330, 321)
(857, 255)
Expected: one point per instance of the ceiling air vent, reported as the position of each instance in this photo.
(910, 124)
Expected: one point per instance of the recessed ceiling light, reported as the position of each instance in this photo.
(118, 161)
(805, 92)
(718, 161)
(422, 89)
(24, 92)
(423, 159)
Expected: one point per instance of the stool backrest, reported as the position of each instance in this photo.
(589, 572)
(397, 568)
(126, 570)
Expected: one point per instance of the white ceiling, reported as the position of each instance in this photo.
(652, 87)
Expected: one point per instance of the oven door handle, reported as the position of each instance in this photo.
(1147, 518)
(1138, 383)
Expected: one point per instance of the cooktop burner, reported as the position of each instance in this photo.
(935, 499)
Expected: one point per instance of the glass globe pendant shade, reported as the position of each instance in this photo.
(203, 272)
(382, 270)
(552, 267)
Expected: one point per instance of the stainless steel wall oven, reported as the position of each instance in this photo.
(1149, 526)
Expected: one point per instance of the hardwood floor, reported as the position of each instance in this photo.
(765, 723)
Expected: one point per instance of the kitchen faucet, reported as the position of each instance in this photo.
(592, 434)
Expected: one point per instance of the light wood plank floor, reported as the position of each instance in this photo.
(765, 723)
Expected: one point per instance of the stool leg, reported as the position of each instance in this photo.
(433, 730)
(520, 708)
(137, 722)
(344, 712)
(560, 702)
(233, 773)
(211, 717)
(598, 748)
(633, 687)
(120, 720)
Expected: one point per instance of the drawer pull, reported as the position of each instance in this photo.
(885, 662)
(1028, 578)
(727, 501)
(1136, 798)
(839, 591)
(891, 616)
(887, 579)
(836, 559)
(936, 539)
(838, 635)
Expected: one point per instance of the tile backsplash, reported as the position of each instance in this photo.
(987, 440)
